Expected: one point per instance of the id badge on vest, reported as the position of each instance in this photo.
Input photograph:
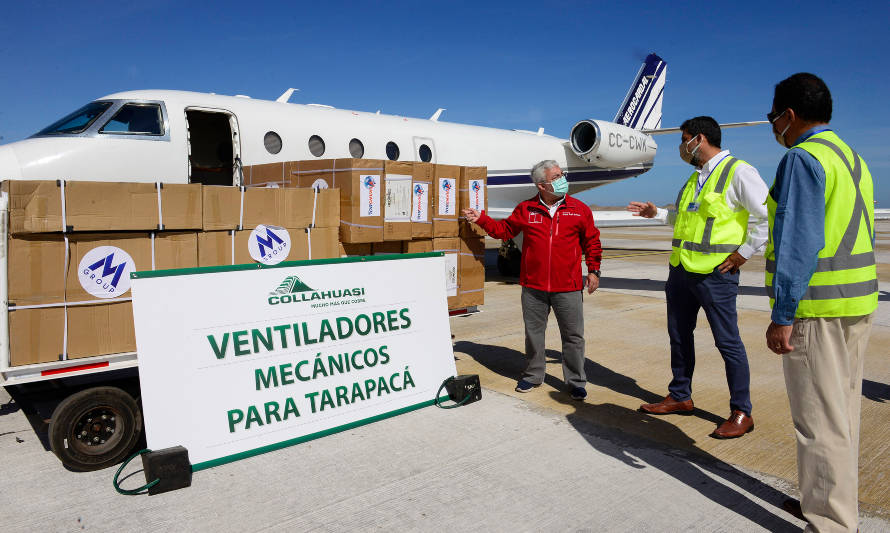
(693, 206)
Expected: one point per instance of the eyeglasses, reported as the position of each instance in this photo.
(774, 115)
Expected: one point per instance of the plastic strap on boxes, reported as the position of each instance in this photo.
(159, 186)
(232, 233)
(241, 214)
(64, 218)
(314, 206)
(309, 242)
(64, 355)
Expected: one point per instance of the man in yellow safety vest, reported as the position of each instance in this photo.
(823, 288)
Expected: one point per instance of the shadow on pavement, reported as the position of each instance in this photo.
(630, 423)
(684, 467)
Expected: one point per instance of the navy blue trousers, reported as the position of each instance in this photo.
(716, 293)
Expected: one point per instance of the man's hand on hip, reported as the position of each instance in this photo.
(732, 263)
(592, 283)
(778, 338)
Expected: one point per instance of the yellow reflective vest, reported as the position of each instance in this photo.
(845, 282)
(708, 231)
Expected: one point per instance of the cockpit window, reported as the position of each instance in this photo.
(138, 119)
(78, 121)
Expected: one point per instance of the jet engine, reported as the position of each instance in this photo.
(610, 145)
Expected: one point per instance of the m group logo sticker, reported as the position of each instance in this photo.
(293, 290)
(104, 271)
(269, 245)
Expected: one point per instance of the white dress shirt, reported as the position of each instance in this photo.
(747, 191)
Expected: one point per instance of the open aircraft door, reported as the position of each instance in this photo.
(214, 147)
(425, 150)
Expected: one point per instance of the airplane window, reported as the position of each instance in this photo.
(426, 155)
(78, 121)
(316, 145)
(392, 151)
(356, 148)
(140, 119)
(272, 141)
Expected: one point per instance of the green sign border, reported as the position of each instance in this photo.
(143, 274)
(312, 436)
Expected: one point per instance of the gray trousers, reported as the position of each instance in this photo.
(536, 305)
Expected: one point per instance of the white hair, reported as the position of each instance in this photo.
(539, 171)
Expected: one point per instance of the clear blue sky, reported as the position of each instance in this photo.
(501, 64)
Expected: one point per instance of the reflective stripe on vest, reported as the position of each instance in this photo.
(838, 266)
(682, 248)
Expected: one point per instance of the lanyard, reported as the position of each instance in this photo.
(814, 133)
(699, 187)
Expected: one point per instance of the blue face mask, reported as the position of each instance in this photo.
(560, 186)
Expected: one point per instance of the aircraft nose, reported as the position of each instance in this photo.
(9, 164)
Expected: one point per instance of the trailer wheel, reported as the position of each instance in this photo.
(95, 428)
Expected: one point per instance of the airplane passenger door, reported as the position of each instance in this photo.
(214, 147)
(424, 150)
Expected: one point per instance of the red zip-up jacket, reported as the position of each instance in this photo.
(551, 247)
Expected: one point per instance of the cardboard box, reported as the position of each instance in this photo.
(422, 201)
(386, 248)
(217, 248)
(268, 174)
(100, 329)
(36, 269)
(287, 208)
(361, 195)
(471, 266)
(357, 249)
(474, 195)
(34, 206)
(397, 196)
(446, 179)
(175, 250)
(451, 247)
(112, 206)
(418, 246)
(113, 275)
(36, 335)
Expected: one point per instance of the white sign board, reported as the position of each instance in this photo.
(236, 361)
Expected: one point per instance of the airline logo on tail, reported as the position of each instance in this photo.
(641, 108)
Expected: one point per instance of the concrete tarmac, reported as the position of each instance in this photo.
(512, 462)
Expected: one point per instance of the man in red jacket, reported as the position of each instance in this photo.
(557, 229)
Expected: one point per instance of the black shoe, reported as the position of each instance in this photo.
(578, 393)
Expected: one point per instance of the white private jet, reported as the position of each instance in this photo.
(178, 136)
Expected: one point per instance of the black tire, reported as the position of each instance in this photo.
(85, 441)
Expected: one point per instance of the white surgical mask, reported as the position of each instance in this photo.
(691, 158)
(780, 137)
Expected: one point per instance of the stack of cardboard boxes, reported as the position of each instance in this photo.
(395, 207)
(72, 246)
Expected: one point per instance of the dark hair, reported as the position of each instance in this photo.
(706, 126)
(806, 94)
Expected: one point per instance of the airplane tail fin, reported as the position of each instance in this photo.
(641, 108)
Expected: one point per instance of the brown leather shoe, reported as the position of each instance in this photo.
(792, 507)
(667, 406)
(736, 425)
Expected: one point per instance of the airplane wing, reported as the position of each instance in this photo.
(660, 131)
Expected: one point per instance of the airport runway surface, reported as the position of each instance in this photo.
(512, 462)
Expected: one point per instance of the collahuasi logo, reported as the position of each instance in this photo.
(293, 290)
(104, 271)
